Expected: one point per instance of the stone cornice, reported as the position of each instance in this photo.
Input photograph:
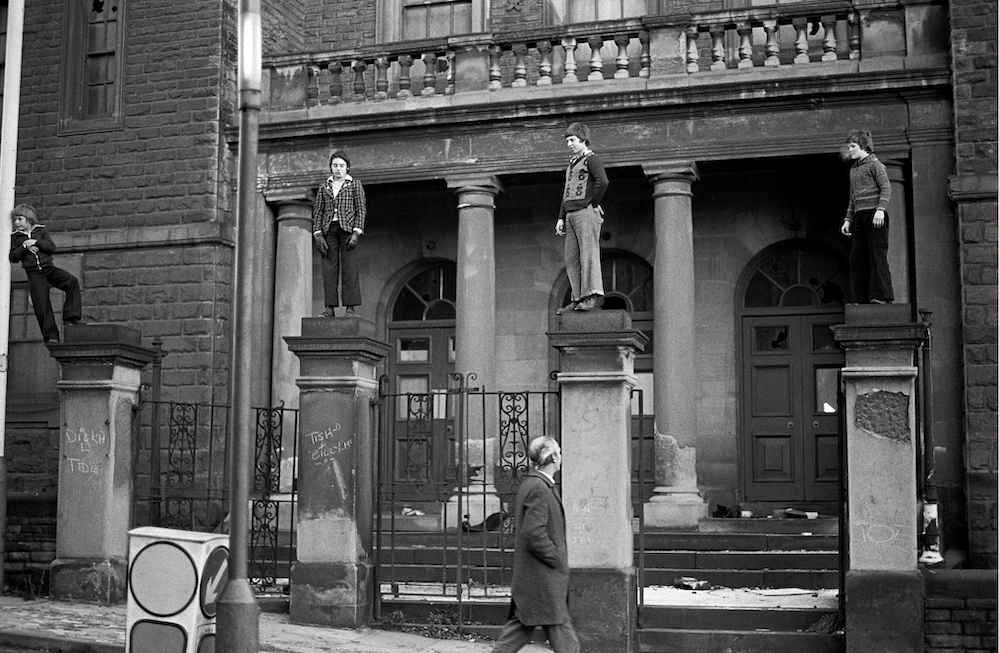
(973, 188)
(197, 233)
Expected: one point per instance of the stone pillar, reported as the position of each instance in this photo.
(293, 287)
(475, 347)
(884, 589)
(899, 230)
(676, 502)
(598, 354)
(331, 578)
(98, 390)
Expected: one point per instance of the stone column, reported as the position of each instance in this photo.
(331, 578)
(98, 388)
(293, 287)
(883, 587)
(598, 354)
(899, 230)
(475, 347)
(676, 502)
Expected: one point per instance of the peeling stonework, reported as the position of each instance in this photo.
(884, 414)
(675, 465)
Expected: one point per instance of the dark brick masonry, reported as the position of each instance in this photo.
(960, 612)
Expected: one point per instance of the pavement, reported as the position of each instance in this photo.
(85, 628)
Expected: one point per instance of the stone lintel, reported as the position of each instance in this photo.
(87, 344)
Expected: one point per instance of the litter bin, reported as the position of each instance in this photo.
(174, 580)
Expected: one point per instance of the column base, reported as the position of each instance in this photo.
(672, 507)
(478, 503)
(884, 611)
(331, 594)
(92, 580)
(602, 605)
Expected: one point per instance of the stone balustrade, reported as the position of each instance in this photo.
(803, 37)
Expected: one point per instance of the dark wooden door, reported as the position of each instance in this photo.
(790, 365)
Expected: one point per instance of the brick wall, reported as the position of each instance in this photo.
(339, 25)
(960, 612)
(30, 546)
(524, 15)
(282, 26)
(974, 189)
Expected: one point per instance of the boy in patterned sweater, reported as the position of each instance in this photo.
(580, 220)
(867, 222)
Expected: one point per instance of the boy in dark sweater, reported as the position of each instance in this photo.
(580, 220)
(31, 244)
(867, 222)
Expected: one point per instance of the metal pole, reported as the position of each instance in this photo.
(8, 172)
(238, 612)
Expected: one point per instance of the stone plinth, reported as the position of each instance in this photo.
(331, 578)
(598, 353)
(98, 389)
(880, 342)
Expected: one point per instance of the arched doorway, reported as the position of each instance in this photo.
(421, 330)
(788, 298)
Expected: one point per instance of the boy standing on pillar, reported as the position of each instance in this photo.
(31, 244)
(338, 222)
(580, 220)
(867, 222)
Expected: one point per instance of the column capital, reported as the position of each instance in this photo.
(294, 210)
(293, 195)
(662, 171)
(475, 183)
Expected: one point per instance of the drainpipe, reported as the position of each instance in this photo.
(930, 539)
(8, 172)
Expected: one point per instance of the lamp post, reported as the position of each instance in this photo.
(238, 611)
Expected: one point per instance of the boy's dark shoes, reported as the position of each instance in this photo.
(567, 308)
(590, 303)
(327, 312)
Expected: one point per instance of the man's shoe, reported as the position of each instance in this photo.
(567, 308)
(590, 303)
(327, 312)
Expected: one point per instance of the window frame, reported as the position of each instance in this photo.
(72, 112)
(389, 19)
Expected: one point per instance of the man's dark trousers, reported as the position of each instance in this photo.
(38, 288)
(340, 262)
(869, 262)
(516, 636)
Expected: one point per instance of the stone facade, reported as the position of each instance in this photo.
(974, 190)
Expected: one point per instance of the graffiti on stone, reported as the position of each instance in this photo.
(86, 450)
(884, 414)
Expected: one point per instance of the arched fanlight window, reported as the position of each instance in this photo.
(427, 295)
(797, 275)
(628, 283)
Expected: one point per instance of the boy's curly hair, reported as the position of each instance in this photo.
(862, 137)
(579, 130)
(28, 211)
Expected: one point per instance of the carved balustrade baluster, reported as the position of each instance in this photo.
(336, 85)
(569, 66)
(496, 73)
(545, 63)
(520, 51)
(692, 48)
(854, 35)
(430, 74)
(745, 30)
(596, 63)
(405, 62)
(771, 47)
(644, 58)
(621, 61)
(381, 78)
(448, 65)
(829, 38)
(801, 25)
(312, 87)
(718, 34)
(359, 66)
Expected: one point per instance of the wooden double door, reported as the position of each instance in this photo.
(790, 407)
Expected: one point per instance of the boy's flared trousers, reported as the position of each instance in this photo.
(869, 262)
(38, 289)
(583, 252)
(340, 267)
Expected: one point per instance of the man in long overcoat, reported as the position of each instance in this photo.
(540, 592)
